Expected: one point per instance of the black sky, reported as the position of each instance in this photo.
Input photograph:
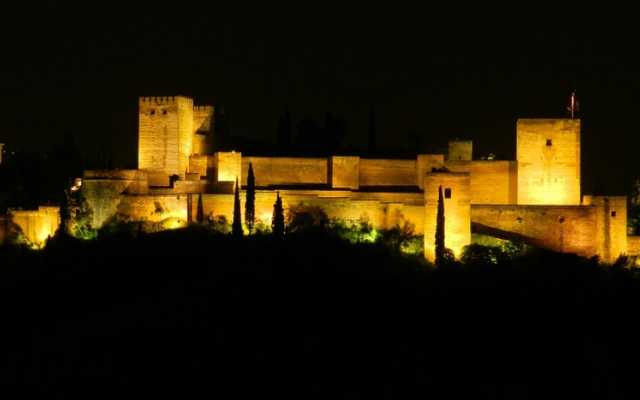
(436, 73)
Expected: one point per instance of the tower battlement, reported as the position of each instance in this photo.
(204, 109)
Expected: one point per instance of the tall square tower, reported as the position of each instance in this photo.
(165, 134)
(548, 157)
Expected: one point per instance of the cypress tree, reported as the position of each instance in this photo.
(440, 249)
(200, 210)
(236, 226)
(250, 202)
(277, 222)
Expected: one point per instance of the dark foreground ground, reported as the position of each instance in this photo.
(190, 314)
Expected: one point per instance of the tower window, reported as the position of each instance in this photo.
(164, 112)
(548, 142)
(447, 193)
(152, 112)
(613, 214)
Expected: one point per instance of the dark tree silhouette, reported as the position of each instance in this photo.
(372, 131)
(236, 226)
(440, 249)
(200, 210)
(250, 201)
(284, 130)
(335, 130)
(277, 222)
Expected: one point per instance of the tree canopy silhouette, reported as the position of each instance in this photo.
(236, 226)
(250, 200)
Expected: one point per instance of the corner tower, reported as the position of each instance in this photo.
(165, 134)
(548, 156)
(456, 188)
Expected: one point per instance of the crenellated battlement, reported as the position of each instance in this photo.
(158, 100)
(205, 109)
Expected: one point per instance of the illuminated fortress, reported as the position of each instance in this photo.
(536, 198)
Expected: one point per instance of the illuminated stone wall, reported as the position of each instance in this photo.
(228, 166)
(37, 225)
(569, 229)
(460, 150)
(345, 172)
(633, 246)
(380, 214)
(386, 172)
(199, 164)
(611, 225)
(456, 211)
(425, 163)
(492, 182)
(202, 126)
(548, 156)
(270, 171)
(1, 152)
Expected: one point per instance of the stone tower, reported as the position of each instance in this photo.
(165, 134)
(460, 150)
(548, 157)
(456, 187)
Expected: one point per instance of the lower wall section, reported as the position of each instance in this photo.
(569, 229)
(37, 225)
(286, 170)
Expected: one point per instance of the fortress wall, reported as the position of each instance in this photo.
(286, 170)
(381, 215)
(199, 144)
(569, 229)
(611, 225)
(135, 181)
(548, 156)
(633, 245)
(381, 172)
(37, 225)
(425, 163)
(202, 124)
(103, 197)
(227, 166)
(198, 164)
(344, 172)
(154, 208)
(492, 182)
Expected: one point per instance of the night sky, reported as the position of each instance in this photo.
(438, 74)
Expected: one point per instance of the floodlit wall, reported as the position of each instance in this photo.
(380, 214)
(569, 229)
(228, 166)
(383, 172)
(202, 127)
(37, 225)
(425, 163)
(345, 172)
(548, 155)
(633, 245)
(611, 225)
(456, 211)
(492, 182)
(270, 171)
